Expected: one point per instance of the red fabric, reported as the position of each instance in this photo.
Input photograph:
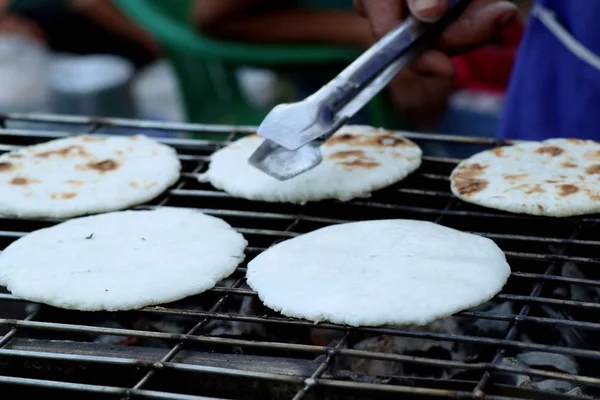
(488, 69)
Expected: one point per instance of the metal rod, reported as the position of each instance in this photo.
(309, 383)
(148, 394)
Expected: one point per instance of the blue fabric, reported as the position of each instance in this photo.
(553, 93)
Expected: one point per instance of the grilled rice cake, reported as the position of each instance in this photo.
(373, 273)
(357, 160)
(86, 174)
(122, 260)
(555, 177)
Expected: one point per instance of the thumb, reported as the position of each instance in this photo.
(428, 10)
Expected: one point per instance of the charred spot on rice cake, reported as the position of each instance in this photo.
(515, 177)
(553, 151)
(101, 166)
(468, 171)
(7, 166)
(535, 189)
(361, 163)
(466, 179)
(567, 190)
(498, 151)
(593, 170)
(63, 196)
(65, 152)
(345, 154)
(379, 140)
(592, 155)
(20, 181)
(569, 165)
(577, 141)
(469, 187)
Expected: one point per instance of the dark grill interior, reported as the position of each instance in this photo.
(538, 339)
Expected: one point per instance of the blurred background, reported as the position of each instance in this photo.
(208, 61)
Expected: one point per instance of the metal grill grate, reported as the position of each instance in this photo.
(45, 350)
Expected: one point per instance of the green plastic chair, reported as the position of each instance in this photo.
(206, 67)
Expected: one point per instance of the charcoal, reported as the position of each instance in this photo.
(580, 292)
(549, 361)
(512, 379)
(533, 359)
(570, 337)
(554, 386)
(495, 328)
(348, 375)
(581, 393)
(236, 328)
(409, 346)
(110, 339)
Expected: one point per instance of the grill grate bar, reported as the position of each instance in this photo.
(545, 300)
(405, 390)
(151, 365)
(177, 142)
(552, 257)
(455, 338)
(593, 326)
(246, 292)
(106, 390)
(128, 123)
(209, 128)
(274, 320)
(556, 278)
(231, 371)
(235, 372)
(538, 239)
(586, 380)
(181, 157)
(456, 213)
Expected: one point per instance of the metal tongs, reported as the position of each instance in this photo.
(295, 132)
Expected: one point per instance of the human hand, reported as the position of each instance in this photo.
(421, 90)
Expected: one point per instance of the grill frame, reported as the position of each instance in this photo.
(288, 221)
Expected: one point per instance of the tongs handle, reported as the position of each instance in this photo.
(374, 69)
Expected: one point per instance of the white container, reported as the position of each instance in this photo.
(92, 85)
(23, 78)
(23, 74)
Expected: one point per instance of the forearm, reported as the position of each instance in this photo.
(294, 26)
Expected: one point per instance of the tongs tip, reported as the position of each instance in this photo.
(283, 164)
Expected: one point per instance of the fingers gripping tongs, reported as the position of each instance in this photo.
(295, 132)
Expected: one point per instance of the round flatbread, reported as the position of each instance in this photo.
(122, 260)
(556, 177)
(357, 160)
(83, 175)
(387, 272)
